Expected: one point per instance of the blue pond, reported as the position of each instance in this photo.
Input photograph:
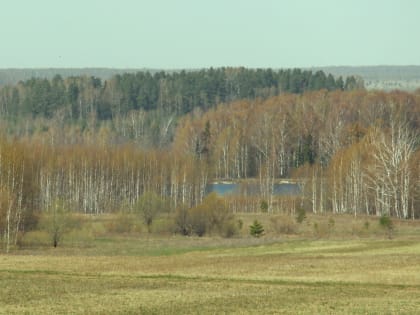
(225, 189)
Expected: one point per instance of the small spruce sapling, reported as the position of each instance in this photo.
(256, 229)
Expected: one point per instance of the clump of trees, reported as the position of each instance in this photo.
(212, 216)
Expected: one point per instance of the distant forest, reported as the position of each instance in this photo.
(97, 146)
(376, 73)
(367, 73)
(145, 106)
(179, 92)
(387, 78)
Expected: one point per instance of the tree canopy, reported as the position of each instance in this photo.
(177, 92)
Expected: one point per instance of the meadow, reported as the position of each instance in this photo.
(326, 265)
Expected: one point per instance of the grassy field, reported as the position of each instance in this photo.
(302, 273)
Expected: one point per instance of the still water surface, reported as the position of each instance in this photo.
(224, 189)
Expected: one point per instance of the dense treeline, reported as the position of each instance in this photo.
(294, 130)
(90, 179)
(14, 75)
(351, 151)
(142, 106)
(178, 92)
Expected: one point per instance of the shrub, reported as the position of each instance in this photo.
(264, 206)
(331, 224)
(283, 225)
(200, 221)
(212, 215)
(240, 224)
(320, 229)
(31, 219)
(122, 223)
(317, 230)
(57, 221)
(218, 212)
(300, 215)
(256, 229)
(386, 223)
(149, 206)
(366, 225)
(324, 229)
(229, 229)
(35, 238)
(183, 221)
(98, 228)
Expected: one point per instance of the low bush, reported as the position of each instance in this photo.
(386, 223)
(35, 238)
(283, 225)
(264, 206)
(230, 229)
(123, 223)
(199, 218)
(212, 216)
(149, 206)
(331, 224)
(57, 220)
(182, 221)
(240, 224)
(300, 215)
(324, 228)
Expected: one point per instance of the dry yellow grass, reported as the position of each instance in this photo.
(177, 275)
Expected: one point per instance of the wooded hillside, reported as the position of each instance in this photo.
(100, 146)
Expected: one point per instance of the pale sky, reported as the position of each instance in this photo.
(174, 34)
